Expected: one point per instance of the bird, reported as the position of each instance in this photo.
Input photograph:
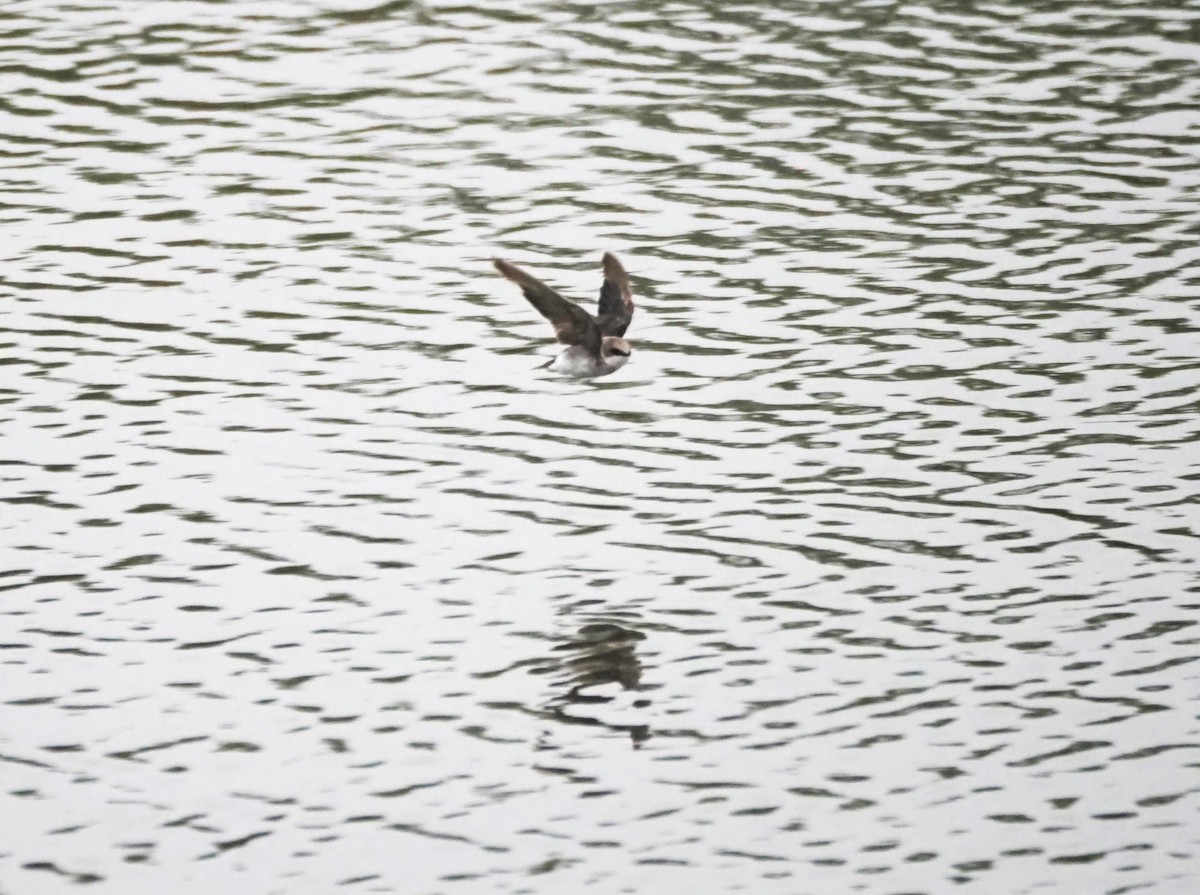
(595, 346)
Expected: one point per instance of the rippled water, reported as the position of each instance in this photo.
(874, 571)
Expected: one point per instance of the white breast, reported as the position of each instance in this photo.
(574, 361)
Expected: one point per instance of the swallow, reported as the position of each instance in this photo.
(595, 345)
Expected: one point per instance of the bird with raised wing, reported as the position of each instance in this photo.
(595, 346)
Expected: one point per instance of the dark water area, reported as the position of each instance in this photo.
(874, 571)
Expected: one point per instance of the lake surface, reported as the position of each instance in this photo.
(874, 571)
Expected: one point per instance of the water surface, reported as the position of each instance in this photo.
(873, 571)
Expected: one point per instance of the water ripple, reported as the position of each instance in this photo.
(888, 526)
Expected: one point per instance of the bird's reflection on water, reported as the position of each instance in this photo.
(586, 668)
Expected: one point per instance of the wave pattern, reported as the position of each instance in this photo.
(874, 570)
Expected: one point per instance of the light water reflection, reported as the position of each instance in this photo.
(873, 571)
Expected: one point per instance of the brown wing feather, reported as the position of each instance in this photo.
(616, 298)
(572, 324)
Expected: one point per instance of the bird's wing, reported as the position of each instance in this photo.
(572, 324)
(616, 298)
